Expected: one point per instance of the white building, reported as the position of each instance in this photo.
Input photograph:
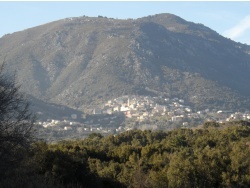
(177, 118)
(124, 108)
(97, 111)
(67, 128)
(117, 109)
(181, 101)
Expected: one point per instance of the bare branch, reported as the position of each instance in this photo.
(16, 121)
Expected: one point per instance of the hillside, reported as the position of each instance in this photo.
(81, 61)
(46, 110)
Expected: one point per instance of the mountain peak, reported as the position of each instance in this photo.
(79, 61)
(176, 24)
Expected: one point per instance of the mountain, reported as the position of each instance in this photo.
(87, 61)
(46, 110)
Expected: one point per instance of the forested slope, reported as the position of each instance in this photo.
(214, 156)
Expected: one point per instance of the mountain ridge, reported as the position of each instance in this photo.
(84, 60)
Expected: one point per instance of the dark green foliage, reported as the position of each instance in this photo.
(67, 167)
(211, 124)
(211, 157)
(95, 135)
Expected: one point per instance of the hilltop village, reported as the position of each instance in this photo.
(134, 112)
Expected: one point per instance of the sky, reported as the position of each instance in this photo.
(229, 18)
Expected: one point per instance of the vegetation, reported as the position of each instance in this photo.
(88, 61)
(16, 124)
(214, 156)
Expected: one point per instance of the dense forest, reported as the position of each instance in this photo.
(216, 155)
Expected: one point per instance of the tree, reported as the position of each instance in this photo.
(16, 122)
(181, 171)
(211, 124)
(239, 169)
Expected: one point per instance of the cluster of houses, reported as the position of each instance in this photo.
(110, 117)
(238, 116)
(144, 107)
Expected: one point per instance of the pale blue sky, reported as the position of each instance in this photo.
(231, 19)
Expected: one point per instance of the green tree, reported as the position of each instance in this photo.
(158, 179)
(181, 171)
(239, 170)
(210, 124)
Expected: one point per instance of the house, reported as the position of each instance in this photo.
(128, 114)
(181, 101)
(135, 114)
(45, 125)
(185, 124)
(67, 128)
(97, 111)
(109, 111)
(73, 123)
(177, 104)
(132, 106)
(54, 121)
(170, 113)
(199, 112)
(124, 108)
(165, 109)
(116, 109)
(141, 118)
(176, 118)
